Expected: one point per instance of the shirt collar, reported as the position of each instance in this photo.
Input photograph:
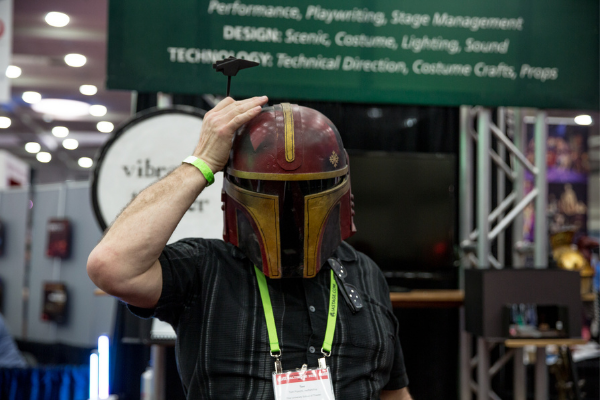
(345, 252)
(236, 252)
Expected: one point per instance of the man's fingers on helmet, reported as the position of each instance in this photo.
(243, 106)
(223, 103)
(233, 104)
(241, 119)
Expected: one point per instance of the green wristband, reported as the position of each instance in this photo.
(202, 167)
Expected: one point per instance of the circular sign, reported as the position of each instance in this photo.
(144, 150)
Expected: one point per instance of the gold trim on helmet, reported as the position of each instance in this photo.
(317, 208)
(288, 124)
(264, 209)
(287, 177)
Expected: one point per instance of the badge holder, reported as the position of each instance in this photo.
(303, 382)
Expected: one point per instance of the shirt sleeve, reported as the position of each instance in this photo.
(180, 263)
(398, 377)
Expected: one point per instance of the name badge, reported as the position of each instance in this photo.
(303, 384)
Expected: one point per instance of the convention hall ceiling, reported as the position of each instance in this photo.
(39, 50)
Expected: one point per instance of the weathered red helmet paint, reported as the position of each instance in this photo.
(286, 192)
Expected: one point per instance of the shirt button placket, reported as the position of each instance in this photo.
(313, 292)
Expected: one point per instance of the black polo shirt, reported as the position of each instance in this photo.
(210, 296)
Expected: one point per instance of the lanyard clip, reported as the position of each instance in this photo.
(322, 360)
(276, 356)
(322, 363)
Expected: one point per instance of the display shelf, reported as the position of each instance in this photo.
(437, 298)
(517, 343)
(434, 298)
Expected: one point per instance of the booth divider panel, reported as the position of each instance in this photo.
(14, 204)
(88, 315)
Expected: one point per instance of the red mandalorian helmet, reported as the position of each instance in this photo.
(286, 192)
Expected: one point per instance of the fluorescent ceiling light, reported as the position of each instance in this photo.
(12, 71)
(62, 108)
(75, 60)
(60, 131)
(85, 162)
(70, 144)
(31, 97)
(43, 157)
(105, 126)
(5, 122)
(33, 147)
(57, 19)
(88, 90)
(98, 110)
(583, 120)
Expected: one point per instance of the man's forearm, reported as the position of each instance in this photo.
(135, 240)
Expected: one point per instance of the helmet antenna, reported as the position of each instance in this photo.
(231, 66)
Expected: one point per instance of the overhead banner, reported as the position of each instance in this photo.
(496, 53)
(6, 16)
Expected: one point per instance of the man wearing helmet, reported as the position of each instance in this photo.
(287, 208)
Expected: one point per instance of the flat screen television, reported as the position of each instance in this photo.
(405, 209)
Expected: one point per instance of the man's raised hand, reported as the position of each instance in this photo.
(219, 126)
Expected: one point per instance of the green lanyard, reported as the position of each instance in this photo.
(270, 319)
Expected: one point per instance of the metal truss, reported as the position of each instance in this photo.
(498, 149)
(506, 158)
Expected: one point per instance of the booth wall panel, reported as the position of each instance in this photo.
(14, 205)
(45, 206)
(88, 315)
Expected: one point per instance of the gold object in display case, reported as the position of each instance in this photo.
(567, 256)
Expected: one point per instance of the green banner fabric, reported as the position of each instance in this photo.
(529, 53)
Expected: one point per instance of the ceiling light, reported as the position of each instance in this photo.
(375, 112)
(75, 60)
(62, 108)
(60, 131)
(88, 90)
(12, 71)
(98, 110)
(33, 147)
(583, 120)
(70, 144)
(85, 162)
(44, 157)
(57, 19)
(31, 97)
(105, 126)
(5, 122)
